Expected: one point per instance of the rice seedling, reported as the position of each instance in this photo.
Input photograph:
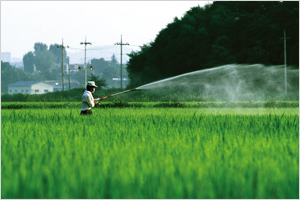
(150, 153)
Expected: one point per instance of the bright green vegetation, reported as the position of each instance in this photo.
(123, 104)
(150, 153)
(150, 96)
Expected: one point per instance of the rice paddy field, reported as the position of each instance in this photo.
(161, 153)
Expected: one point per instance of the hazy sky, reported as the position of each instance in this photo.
(24, 23)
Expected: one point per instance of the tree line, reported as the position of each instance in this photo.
(45, 64)
(223, 32)
(43, 60)
(103, 72)
(11, 74)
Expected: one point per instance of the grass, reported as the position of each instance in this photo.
(150, 153)
(157, 95)
(170, 104)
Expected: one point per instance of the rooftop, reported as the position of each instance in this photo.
(24, 83)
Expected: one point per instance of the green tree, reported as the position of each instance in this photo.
(113, 60)
(223, 32)
(10, 74)
(100, 82)
(28, 62)
(44, 60)
(40, 47)
(57, 52)
(98, 65)
(79, 76)
(136, 66)
(111, 72)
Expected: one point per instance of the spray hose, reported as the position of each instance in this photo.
(102, 98)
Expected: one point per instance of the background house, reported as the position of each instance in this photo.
(117, 82)
(29, 87)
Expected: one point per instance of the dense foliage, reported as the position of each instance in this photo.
(103, 72)
(108, 70)
(11, 74)
(220, 33)
(43, 61)
(171, 104)
(75, 95)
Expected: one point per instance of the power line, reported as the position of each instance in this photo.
(106, 47)
(62, 47)
(85, 72)
(121, 56)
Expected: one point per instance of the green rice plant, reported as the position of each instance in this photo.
(170, 104)
(150, 153)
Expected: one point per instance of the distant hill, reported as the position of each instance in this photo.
(106, 52)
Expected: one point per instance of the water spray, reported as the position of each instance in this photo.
(99, 99)
(234, 82)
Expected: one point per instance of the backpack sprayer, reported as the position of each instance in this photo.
(102, 98)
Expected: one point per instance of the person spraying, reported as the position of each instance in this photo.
(88, 101)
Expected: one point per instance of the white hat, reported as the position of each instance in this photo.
(91, 83)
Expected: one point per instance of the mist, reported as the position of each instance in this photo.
(233, 82)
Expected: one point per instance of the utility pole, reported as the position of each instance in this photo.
(69, 74)
(121, 57)
(85, 70)
(285, 77)
(62, 66)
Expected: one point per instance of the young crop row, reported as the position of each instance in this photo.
(157, 95)
(169, 104)
(150, 153)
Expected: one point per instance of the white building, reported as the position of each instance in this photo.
(117, 82)
(29, 87)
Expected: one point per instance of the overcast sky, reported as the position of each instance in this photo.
(24, 23)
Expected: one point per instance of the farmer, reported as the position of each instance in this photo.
(87, 99)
